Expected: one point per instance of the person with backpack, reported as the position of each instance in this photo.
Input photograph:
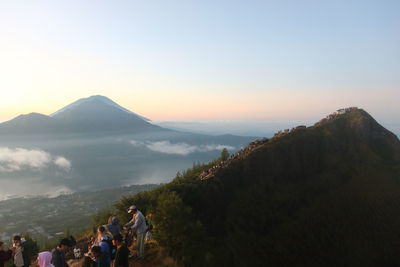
(105, 243)
(17, 251)
(122, 254)
(4, 255)
(138, 226)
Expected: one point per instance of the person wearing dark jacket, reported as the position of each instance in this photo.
(58, 259)
(100, 259)
(28, 246)
(122, 254)
(4, 255)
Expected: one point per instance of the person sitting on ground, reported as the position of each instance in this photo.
(17, 251)
(4, 255)
(122, 254)
(44, 259)
(138, 226)
(113, 226)
(100, 259)
(58, 254)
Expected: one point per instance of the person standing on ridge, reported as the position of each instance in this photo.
(104, 242)
(28, 246)
(113, 226)
(122, 254)
(17, 251)
(100, 260)
(138, 226)
(58, 254)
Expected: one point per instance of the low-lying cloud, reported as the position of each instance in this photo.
(10, 188)
(62, 163)
(183, 149)
(12, 160)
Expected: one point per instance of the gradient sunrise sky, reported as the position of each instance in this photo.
(202, 60)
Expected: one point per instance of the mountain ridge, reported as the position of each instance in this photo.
(325, 195)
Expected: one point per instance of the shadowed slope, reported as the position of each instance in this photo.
(327, 195)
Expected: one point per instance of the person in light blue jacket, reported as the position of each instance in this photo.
(138, 226)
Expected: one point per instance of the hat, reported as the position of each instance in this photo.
(131, 208)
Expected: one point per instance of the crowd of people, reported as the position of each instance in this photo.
(336, 114)
(288, 131)
(211, 172)
(20, 252)
(108, 247)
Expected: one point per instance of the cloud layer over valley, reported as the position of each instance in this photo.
(182, 148)
(18, 159)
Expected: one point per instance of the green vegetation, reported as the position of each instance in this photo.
(327, 195)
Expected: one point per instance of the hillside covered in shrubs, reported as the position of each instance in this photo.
(326, 195)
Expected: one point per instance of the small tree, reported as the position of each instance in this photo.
(224, 154)
(178, 231)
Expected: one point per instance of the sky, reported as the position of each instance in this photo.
(202, 60)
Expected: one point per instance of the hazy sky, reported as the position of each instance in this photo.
(202, 60)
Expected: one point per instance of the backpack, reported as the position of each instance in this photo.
(111, 247)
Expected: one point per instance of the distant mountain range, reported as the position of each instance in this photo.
(95, 143)
(93, 114)
(325, 195)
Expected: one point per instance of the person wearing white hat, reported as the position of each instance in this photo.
(138, 226)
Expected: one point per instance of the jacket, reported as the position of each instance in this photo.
(114, 227)
(4, 257)
(18, 257)
(138, 223)
(122, 257)
(58, 259)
